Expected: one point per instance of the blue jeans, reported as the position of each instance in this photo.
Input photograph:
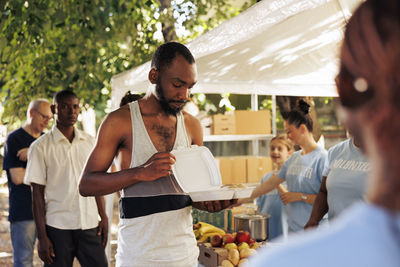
(23, 237)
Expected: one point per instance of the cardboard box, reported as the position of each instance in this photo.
(233, 169)
(253, 122)
(266, 165)
(227, 118)
(243, 169)
(257, 167)
(211, 257)
(225, 169)
(223, 124)
(239, 170)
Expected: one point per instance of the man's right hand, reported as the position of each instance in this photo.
(159, 165)
(45, 250)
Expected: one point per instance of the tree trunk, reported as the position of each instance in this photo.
(168, 21)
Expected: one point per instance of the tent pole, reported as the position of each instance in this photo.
(254, 102)
(273, 115)
(345, 16)
(254, 106)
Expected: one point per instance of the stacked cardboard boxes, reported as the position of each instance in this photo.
(242, 122)
(224, 124)
(243, 169)
(253, 122)
(257, 167)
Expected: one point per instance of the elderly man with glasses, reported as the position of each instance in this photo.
(23, 234)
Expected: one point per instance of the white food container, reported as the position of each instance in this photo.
(197, 173)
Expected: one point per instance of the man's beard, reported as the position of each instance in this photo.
(165, 103)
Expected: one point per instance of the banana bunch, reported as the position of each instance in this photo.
(203, 231)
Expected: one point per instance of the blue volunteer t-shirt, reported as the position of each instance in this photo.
(365, 235)
(346, 171)
(20, 197)
(303, 173)
(271, 204)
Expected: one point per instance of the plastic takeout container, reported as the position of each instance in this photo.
(197, 173)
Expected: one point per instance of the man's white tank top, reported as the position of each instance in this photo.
(155, 226)
(143, 149)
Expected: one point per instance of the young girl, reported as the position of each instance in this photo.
(302, 171)
(280, 150)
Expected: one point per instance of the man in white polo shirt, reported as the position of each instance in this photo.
(67, 223)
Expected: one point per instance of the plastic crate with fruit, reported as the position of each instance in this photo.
(218, 248)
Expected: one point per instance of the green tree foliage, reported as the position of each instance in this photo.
(49, 45)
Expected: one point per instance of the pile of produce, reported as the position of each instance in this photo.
(203, 231)
(237, 247)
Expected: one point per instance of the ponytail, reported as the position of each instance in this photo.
(301, 115)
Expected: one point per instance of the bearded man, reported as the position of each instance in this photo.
(155, 220)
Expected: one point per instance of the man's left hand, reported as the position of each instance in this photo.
(103, 230)
(214, 206)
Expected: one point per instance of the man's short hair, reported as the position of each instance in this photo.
(62, 94)
(34, 104)
(167, 52)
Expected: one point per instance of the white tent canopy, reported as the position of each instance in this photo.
(276, 47)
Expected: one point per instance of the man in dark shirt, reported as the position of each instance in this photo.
(22, 226)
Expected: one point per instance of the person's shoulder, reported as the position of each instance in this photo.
(190, 120)
(189, 116)
(339, 146)
(42, 140)
(120, 114)
(295, 154)
(116, 123)
(41, 143)
(117, 119)
(15, 134)
(295, 157)
(321, 152)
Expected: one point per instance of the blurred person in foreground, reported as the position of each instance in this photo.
(156, 226)
(22, 225)
(67, 224)
(368, 234)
